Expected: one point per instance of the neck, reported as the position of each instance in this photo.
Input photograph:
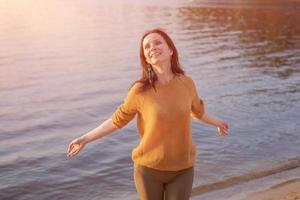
(163, 72)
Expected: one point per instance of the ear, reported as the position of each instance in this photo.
(171, 52)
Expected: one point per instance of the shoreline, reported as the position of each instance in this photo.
(283, 185)
(289, 190)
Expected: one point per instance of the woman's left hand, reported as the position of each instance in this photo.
(222, 127)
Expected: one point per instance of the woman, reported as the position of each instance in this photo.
(164, 100)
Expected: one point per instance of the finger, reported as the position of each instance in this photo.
(223, 125)
(222, 128)
(70, 153)
(224, 131)
(77, 149)
(75, 152)
(70, 147)
(225, 128)
(223, 134)
(73, 149)
(226, 125)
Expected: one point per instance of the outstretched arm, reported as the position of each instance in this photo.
(106, 128)
(221, 125)
(199, 112)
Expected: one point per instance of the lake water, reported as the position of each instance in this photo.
(65, 66)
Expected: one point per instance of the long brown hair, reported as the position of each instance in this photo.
(147, 79)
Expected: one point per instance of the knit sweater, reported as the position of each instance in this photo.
(163, 123)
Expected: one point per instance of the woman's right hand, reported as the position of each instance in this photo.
(75, 146)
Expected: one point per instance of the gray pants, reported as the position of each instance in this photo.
(152, 184)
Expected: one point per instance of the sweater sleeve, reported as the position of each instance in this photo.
(127, 110)
(198, 108)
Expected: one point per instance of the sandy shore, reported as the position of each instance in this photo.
(284, 185)
(285, 191)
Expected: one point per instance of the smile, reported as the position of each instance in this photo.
(155, 54)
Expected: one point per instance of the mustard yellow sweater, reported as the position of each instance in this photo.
(163, 123)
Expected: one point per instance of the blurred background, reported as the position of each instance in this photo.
(66, 65)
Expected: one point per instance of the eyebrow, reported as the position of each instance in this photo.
(152, 41)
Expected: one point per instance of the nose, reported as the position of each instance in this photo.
(152, 46)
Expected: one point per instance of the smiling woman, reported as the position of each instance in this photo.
(164, 101)
(158, 54)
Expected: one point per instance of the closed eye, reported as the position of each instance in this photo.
(157, 42)
(147, 46)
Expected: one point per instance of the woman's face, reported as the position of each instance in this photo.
(156, 49)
